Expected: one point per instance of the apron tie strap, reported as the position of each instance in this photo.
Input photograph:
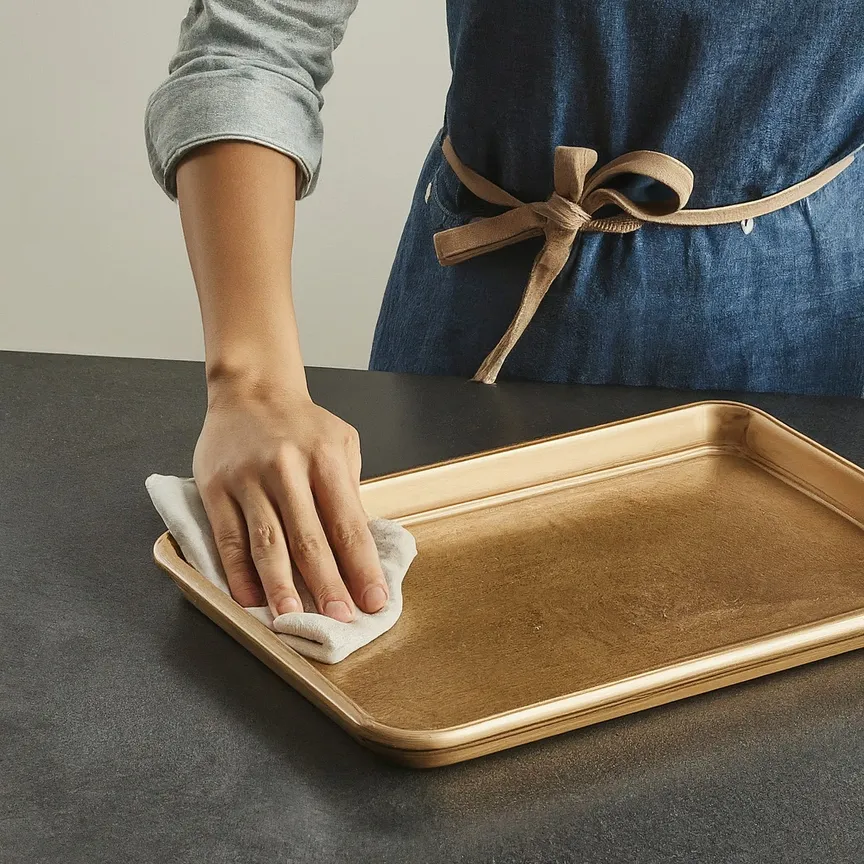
(570, 210)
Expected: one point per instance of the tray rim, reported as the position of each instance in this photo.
(561, 435)
(425, 748)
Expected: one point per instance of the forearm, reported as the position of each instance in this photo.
(237, 202)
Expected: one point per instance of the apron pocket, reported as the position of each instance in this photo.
(457, 204)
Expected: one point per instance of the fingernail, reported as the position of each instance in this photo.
(339, 610)
(289, 604)
(374, 598)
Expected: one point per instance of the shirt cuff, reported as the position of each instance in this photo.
(252, 104)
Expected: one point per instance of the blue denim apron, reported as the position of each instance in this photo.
(753, 95)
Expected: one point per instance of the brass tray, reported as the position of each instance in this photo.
(566, 581)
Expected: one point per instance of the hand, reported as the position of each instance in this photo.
(279, 475)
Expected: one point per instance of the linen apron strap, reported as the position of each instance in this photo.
(570, 210)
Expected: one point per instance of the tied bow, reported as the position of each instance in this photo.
(567, 212)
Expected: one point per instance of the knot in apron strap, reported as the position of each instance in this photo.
(570, 209)
(563, 212)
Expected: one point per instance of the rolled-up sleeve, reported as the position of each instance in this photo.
(251, 70)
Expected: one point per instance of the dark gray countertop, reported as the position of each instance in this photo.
(135, 730)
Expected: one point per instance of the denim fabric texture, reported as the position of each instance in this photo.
(753, 95)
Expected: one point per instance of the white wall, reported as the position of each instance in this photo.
(91, 252)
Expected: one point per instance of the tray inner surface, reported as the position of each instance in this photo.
(532, 599)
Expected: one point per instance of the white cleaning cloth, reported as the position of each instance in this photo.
(309, 633)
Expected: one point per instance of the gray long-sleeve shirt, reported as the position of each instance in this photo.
(251, 70)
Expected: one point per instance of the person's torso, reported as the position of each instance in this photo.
(753, 95)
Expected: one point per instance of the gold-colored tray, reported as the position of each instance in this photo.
(563, 582)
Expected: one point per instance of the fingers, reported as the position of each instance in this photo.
(269, 551)
(347, 527)
(232, 544)
(307, 541)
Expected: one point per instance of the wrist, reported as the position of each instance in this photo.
(232, 381)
